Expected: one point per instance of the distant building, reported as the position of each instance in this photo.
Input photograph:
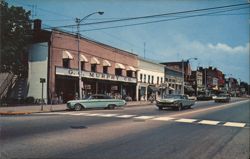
(173, 78)
(150, 77)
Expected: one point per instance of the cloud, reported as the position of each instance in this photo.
(228, 49)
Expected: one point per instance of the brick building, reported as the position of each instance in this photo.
(104, 69)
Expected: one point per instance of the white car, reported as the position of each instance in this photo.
(175, 101)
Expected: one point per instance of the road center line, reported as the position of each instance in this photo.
(206, 109)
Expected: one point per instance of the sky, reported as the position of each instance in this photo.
(218, 38)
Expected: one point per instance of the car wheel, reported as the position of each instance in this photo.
(180, 107)
(111, 106)
(78, 107)
(160, 108)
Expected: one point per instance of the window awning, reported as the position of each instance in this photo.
(83, 58)
(67, 55)
(131, 68)
(171, 88)
(153, 88)
(119, 65)
(106, 63)
(94, 60)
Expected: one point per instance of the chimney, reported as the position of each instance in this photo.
(37, 24)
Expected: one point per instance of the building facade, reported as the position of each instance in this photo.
(104, 69)
(150, 78)
(174, 80)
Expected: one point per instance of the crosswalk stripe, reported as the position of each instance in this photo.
(234, 124)
(163, 118)
(125, 116)
(80, 114)
(97, 114)
(144, 117)
(209, 122)
(108, 115)
(186, 120)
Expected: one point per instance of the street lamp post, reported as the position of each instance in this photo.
(78, 22)
(183, 77)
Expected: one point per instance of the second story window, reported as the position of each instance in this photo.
(66, 63)
(141, 77)
(118, 71)
(130, 73)
(144, 78)
(82, 65)
(157, 79)
(152, 80)
(161, 80)
(93, 68)
(105, 69)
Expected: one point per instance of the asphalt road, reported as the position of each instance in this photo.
(208, 130)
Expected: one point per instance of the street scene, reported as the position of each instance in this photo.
(116, 79)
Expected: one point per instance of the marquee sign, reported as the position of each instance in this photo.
(94, 75)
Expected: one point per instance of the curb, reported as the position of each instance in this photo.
(15, 113)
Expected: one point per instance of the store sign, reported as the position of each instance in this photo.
(95, 75)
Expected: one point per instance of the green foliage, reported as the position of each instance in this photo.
(15, 37)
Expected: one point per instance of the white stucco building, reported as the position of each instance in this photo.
(150, 79)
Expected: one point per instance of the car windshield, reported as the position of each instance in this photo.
(222, 95)
(173, 96)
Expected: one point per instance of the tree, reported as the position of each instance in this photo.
(15, 38)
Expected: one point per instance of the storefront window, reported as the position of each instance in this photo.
(66, 63)
(118, 71)
(93, 67)
(105, 69)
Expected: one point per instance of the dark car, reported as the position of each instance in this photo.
(204, 97)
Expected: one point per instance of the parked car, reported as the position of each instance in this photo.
(222, 98)
(192, 97)
(96, 101)
(204, 97)
(175, 101)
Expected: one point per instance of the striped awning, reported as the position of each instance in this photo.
(67, 55)
(94, 60)
(119, 65)
(106, 63)
(83, 58)
(130, 68)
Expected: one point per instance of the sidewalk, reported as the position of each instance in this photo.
(22, 110)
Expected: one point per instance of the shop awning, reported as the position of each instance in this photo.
(130, 68)
(171, 88)
(153, 88)
(94, 60)
(83, 58)
(119, 65)
(106, 63)
(163, 86)
(67, 55)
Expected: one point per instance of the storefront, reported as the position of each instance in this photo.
(93, 83)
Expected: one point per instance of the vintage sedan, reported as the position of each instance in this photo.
(175, 101)
(96, 101)
(222, 98)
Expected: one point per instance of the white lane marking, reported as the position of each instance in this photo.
(80, 114)
(93, 114)
(209, 122)
(186, 120)
(144, 117)
(211, 108)
(125, 116)
(163, 118)
(235, 124)
(108, 115)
